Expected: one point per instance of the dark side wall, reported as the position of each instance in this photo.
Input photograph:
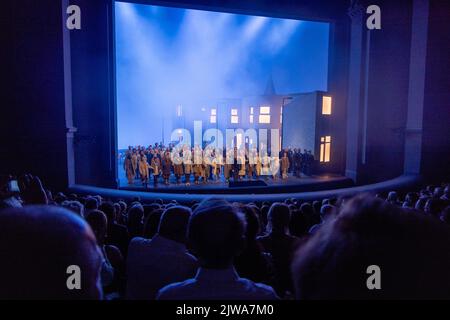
(381, 154)
(32, 121)
(392, 75)
(436, 115)
(93, 94)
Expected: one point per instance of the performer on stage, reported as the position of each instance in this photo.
(178, 169)
(143, 169)
(228, 166)
(198, 164)
(166, 166)
(285, 165)
(241, 162)
(206, 169)
(198, 168)
(237, 163)
(297, 162)
(128, 167)
(216, 164)
(134, 162)
(250, 166)
(156, 167)
(187, 163)
(274, 163)
(187, 173)
(258, 165)
(265, 161)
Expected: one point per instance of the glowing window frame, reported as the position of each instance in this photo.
(234, 115)
(264, 114)
(326, 105)
(213, 116)
(325, 149)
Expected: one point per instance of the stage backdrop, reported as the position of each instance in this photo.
(166, 57)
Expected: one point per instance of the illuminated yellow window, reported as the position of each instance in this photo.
(251, 114)
(325, 148)
(326, 105)
(234, 116)
(213, 117)
(264, 114)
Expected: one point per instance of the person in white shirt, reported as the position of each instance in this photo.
(216, 235)
(152, 264)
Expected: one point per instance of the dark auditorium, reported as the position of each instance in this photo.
(231, 157)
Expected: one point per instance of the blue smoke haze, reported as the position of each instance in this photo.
(171, 56)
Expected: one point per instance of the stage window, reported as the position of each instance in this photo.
(325, 148)
(213, 117)
(264, 114)
(251, 114)
(326, 105)
(234, 116)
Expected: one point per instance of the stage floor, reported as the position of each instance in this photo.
(288, 185)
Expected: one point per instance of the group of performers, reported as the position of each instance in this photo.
(208, 165)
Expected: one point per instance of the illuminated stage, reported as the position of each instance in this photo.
(289, 185)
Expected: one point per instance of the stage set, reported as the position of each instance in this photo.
(245, 186)
(265, 95)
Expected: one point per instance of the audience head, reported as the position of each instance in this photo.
(446, 194)
(420, 204)
(445, 216)
(91, 203)
(135, 215)
(108, 209)
(433, 207)
(299, 225)
(60, 198)
(99, 199)
(279, 217)
(392, 197)
(327, 211)
(410, 200)
(216, 233)
(316, 206)
(98, 222)
(38, 246)
(312, 217)
(123, 206)
(117, 211)
(252, 222)
(438, 192)
(151, 223)
(368, 231)
(73, 197)
(74, 206)
(173, 224)
(149, 208)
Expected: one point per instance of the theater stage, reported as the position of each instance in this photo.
(245, 186)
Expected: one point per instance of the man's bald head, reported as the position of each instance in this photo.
(37, 245)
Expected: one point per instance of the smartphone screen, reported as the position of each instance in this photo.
(14, 186)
